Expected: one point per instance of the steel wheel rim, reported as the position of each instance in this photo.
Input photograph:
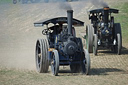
(38, 55)
(53, 64)
(87, 39)
(87, 62)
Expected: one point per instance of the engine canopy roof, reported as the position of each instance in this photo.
(58, 20)
(102, 9)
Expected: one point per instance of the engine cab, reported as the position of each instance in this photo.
(62, 36)
(103, 23)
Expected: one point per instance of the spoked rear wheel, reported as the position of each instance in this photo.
(86, 66)
(55, 63)
(42, 63)
(89, 38)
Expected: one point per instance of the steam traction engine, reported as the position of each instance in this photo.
(61, 47)
(103, 32)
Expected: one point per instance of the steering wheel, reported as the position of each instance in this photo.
(46, 31)
(64, 37)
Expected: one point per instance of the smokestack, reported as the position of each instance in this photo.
(106, 15)
(69, 18)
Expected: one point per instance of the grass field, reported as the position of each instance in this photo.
(122, 18)
(22, 77)
(6, 1)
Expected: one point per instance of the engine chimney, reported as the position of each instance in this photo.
(106, 15)
(69, 18)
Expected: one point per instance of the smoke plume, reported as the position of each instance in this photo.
(65, 6)
(99, 3)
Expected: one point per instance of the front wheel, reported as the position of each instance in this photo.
(86, 68)
(55, 62)
(118, 45)
(118, 36)
(95, 44)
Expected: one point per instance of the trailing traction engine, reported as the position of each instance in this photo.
(61, 47)
(103, 33)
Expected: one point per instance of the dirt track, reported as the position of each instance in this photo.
(18, 37)
(18, 34)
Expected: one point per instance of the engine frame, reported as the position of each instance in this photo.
(58, 36)
(103, 24)
(103, 31)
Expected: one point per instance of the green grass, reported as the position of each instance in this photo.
(122, 18)
(5, 1)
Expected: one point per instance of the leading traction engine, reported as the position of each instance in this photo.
(61, 47)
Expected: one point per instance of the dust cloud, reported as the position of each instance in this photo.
(17, 32)
(99, 3)
(18, 35)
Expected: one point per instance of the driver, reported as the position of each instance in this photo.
(60, 28)
(93, 17)
(56, 28)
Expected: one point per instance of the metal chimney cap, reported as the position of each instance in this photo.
(69, 10)
(106, 8)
